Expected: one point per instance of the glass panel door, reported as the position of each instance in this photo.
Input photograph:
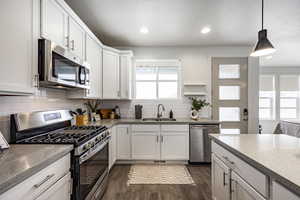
(230, 94)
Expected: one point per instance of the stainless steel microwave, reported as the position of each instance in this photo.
(59, 68)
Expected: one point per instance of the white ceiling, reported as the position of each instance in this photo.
(179, 23)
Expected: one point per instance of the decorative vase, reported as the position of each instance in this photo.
(194, 114)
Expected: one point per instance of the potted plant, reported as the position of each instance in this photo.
(92, 106)
(197, 105)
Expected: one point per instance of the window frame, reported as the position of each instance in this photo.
(157, 64)
(277, 108)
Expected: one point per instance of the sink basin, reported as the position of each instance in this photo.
(159, 119)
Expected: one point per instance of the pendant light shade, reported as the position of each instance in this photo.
(263, 47)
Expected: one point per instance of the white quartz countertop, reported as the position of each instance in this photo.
(276, 155)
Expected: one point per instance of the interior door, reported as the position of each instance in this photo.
(230, 94)
(220, 179)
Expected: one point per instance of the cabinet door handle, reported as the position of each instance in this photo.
(67, 41)
(233, 182)
(157, 139)
(224, 179)
(162, 139)
(47, 178)
(73, 45)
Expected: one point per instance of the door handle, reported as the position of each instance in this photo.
(245, 114)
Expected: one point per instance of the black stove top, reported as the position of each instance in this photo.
(75, 135)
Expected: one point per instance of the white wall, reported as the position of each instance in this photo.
(196, 67)
(196, 61)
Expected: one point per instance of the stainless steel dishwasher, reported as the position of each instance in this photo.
(200, 144)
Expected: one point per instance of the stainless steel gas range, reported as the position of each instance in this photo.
(90, 154)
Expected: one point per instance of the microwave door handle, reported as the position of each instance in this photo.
(79, 75)
(85, 77)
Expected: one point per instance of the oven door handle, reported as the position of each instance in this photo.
(90, 153)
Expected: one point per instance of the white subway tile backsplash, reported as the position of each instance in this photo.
(44, 99)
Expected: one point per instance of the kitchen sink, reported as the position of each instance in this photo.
(159, 119)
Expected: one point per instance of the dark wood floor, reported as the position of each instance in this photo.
(119, 190)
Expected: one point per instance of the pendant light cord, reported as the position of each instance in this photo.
(262, 18)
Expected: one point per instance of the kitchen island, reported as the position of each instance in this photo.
(256, 166)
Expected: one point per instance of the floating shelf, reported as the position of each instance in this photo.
(194, 94)
(195, 89)
(194, 84)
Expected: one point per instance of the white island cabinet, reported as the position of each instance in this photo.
(255, 167)
(51, 183)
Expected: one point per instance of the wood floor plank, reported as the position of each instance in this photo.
(119, 190)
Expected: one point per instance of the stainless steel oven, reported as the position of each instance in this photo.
(91, 172)
(59, 68)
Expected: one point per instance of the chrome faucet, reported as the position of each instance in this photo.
(159, 114)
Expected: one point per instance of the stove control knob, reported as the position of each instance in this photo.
(85, 147)
(92, 144)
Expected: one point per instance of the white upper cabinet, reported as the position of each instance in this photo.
(94, 58)
(19, 35)
(54, 24)
(125, 74)
(110, 75)
(76, 38)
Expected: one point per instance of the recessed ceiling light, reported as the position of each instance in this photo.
(144, 30)
(205, 30)
(269, 57)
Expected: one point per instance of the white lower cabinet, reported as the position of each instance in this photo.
(112, 147)
(220, 179)
(52, 182)
(123, 142)
(60, 190)
(145, 146)
(241, 190)
(174, 142)
(160, 142)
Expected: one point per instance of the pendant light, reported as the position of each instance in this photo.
(263, 46)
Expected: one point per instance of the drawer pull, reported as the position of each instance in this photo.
(227, 159)
(224, 179)
(44, 181)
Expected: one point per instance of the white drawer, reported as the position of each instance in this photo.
(252, 176)
(280, 192)
(145, 128)
(35, 185)
(175, 128)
